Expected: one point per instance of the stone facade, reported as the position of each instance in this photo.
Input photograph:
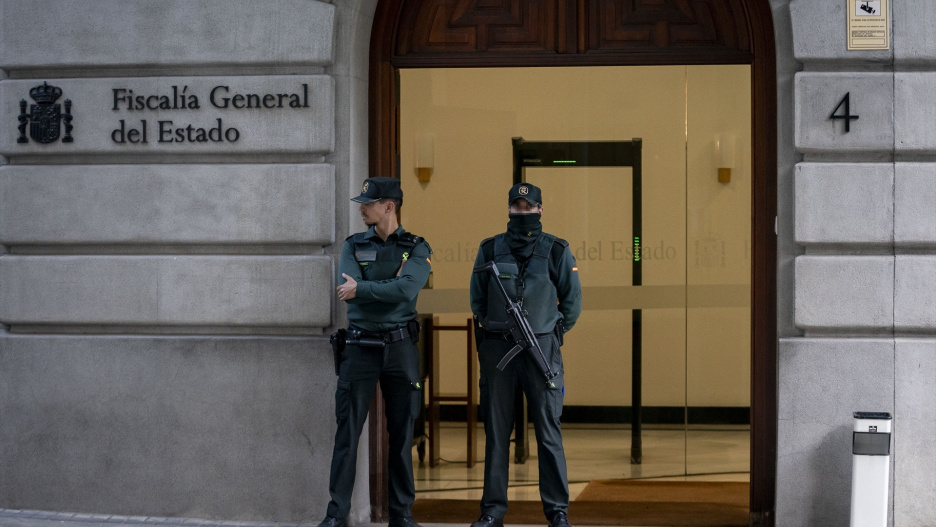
(859, 212)
(165, 297)
(167, 274)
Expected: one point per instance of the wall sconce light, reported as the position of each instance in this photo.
(425, 157)
(725, 154)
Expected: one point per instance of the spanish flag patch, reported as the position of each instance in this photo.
(574, 268)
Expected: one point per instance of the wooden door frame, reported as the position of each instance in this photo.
(391, 49)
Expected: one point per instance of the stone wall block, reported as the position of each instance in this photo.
(914, 429)
(870, 97)
(845, 293)
(187, 33)
(844, 203)
(292, 291)
(167, 204)
(199, 427)
(822, 382)
(914, 112)
(172, 116)
(915, 293)
(915, 204)
(819, 34)
(912, 44)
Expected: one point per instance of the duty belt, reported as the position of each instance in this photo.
(358, 337)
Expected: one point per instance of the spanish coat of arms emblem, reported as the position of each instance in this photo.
(45, 118)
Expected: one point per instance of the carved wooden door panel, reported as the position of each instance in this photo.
(646, 31)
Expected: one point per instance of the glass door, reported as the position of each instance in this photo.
(693, 296)
(718, 269)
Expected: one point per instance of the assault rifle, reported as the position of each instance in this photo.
(518, 327)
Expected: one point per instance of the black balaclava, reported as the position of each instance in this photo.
(522, 232)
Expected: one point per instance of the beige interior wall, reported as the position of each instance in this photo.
(460, 121)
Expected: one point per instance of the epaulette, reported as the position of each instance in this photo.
(409, 239)
(487, 249)
(358, 237)
(559, 247)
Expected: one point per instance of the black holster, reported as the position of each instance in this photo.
(338, 340)
(413, 327)
(560, 332)
(478, 332)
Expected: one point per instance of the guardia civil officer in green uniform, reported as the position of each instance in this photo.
(538, 270)
(380, 273)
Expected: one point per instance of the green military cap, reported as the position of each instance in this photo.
(526, 191)
(377, 188)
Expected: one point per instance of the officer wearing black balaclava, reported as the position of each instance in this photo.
(538, 271)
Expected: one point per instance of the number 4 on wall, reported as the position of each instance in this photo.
(846, 112)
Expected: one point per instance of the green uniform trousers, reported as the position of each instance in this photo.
(396, 367)
(498, 390)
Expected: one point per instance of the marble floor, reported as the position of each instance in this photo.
(709, 452)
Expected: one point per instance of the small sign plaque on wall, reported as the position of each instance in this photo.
(868, 25)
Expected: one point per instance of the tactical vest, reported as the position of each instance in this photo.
(531, 283)
(382, 265)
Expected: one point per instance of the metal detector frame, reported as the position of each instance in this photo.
(595, 154)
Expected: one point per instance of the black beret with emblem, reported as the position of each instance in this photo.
(376, 188)
(526, 191)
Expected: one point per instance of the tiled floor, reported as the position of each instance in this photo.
(712, 453)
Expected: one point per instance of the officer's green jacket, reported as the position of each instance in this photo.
(383, 300)
(551, 287)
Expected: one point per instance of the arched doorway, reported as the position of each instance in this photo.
(471, 33)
